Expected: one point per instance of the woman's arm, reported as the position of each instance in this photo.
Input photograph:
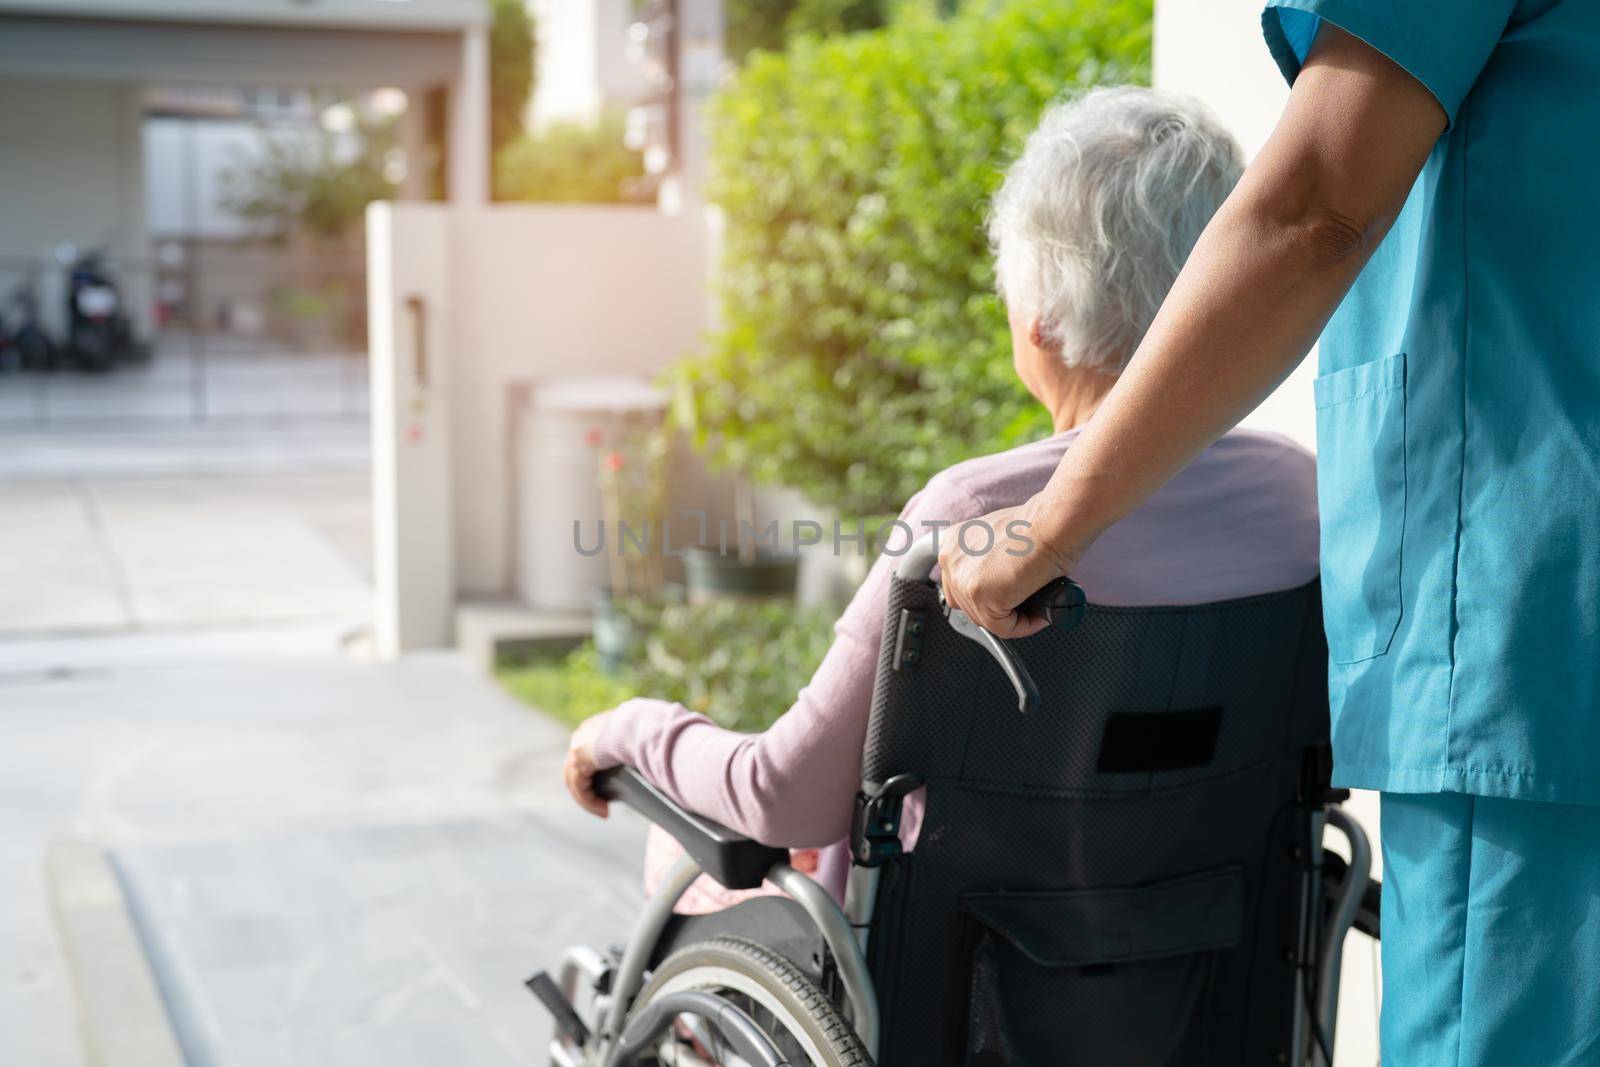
(794, 784)
(791, 785)
(1258, 288)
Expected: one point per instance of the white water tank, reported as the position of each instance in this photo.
(564, 429)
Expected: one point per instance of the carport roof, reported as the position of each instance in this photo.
(330, 43)
(345, 14)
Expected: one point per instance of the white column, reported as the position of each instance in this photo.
(414, 143)
(133, 235)
(701, 59)
(467, 177)
(408, 282)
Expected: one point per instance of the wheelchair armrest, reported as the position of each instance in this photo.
(733, 860)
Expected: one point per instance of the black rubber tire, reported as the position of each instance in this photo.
(808, 1007)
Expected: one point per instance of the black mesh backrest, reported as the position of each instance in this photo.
(1111, 879)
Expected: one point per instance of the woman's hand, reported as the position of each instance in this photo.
(580, 768)
(989, 586)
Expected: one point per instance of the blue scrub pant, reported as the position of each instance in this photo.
(1491, 932)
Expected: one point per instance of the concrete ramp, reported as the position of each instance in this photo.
(401, 946)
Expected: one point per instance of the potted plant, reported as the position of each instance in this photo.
(632, 475)
(743, 569)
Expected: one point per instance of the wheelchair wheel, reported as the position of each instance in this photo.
(802, 1023)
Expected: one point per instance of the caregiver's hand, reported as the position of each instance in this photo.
(988, 586)
(580, 767)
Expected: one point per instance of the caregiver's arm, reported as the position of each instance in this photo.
(1257, 290)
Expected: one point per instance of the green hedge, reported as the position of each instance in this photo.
(862, 349)
(740, 662)
(769, 24)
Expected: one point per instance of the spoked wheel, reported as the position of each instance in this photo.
(802, 1023)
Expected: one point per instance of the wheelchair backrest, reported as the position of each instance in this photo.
(1112, 879)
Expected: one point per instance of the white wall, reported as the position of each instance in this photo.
(71, 173)
(519, 293)
(548, 291)
(619, 80)
(1213, 49)
(184, 164)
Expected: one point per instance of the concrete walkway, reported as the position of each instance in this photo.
(332, 863)
(200, 550)
(177, 449)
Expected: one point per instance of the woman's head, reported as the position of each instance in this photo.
(1095, 219)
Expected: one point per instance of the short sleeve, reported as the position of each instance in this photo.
(1443, 44)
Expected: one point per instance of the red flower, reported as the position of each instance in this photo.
(595, 437)
(614, 461)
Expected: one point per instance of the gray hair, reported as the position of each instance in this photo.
(1096, 217)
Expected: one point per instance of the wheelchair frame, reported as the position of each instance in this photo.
(740, 863)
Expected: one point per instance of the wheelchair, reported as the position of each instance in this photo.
(1121, 864)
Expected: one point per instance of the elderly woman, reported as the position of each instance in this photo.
(1089, 230)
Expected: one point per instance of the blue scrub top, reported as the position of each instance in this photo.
(1458, 415)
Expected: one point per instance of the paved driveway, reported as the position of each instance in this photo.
(334, 863)
(103, 552)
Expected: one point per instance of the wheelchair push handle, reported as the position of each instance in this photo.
(1062, 603)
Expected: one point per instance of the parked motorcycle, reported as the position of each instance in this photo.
(99, 332)
(24, 344)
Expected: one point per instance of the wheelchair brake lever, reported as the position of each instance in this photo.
(1062, 603)
(1003, 653)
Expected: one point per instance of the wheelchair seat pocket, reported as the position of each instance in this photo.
(1096, 976)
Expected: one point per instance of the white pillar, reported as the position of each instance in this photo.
(701, 60)
(413, 505)
(413, 137)
(467, 178)
(133, 235)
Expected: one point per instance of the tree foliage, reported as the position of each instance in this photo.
(862, 349)
(311, 180)
(739, 662)
(767, 25)
(511, 70)
(568, 162)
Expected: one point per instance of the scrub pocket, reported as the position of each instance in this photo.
(1361, 493)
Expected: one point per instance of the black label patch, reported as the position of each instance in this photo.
(1144, 741)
